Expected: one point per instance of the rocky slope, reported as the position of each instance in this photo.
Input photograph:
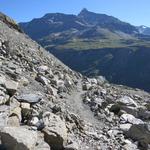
(45, 105)
(96, 44)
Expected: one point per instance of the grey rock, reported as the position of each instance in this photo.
(68, 83)
(130, 110)
(12, 66)
(127, 101)
(128, 118)
(4, 112)
(72, 146)
(29, 98)
(43, 80)
(26, 111)
(18, 71)
(18, 138)
(101, 80)
(42, 69)
(113, 133)
(43, 146)
(24, 81)
(93, 81)
(144, 114)
(129, 145)
(34, 121)
(16, 112)
(4, 99)
(13, 121)
(139, 132)
(55, 131)
(2, 79)
(86, 86)
(11, 86)
(125, 127)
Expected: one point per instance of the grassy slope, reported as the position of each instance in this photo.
(86, 44)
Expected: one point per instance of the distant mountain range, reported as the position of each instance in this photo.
(96, 44)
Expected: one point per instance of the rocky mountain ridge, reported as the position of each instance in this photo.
(51, 23)
(45, 105)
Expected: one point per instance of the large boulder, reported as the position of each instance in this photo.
(128, 118)
(130, 110)
(126, 104)
(15, 117)
(29, 98)
(18, 138)
(125, 127)
(11, 86)
(144, 113)
(55, 131)
(140, 133)
(126, 101)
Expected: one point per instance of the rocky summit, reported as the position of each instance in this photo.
(44, 105)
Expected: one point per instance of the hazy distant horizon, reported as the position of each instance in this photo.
(131, 11)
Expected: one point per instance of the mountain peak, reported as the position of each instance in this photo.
(84, 11)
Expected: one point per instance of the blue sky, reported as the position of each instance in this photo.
(136, 12)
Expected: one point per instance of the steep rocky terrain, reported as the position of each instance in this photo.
(45, 105)
(118, 50)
